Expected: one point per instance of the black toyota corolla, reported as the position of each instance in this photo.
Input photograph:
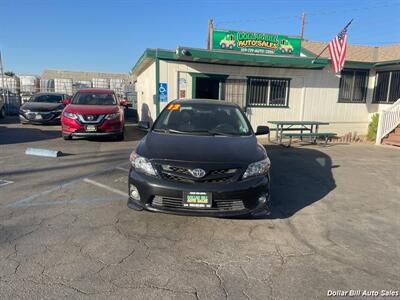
(200, 157)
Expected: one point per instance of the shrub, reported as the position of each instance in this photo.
(373, 127)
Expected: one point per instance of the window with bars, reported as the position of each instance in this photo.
(387, 87)
(263, 91)
(353, 86)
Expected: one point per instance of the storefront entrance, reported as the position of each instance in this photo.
(208, 86)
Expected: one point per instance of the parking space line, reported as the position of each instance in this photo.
(5, 182)
(122, 169)
(111, 189)
(24, 201)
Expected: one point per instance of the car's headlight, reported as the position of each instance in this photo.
(113, 116)
(70, 115)
(258, 168)
(142, 164)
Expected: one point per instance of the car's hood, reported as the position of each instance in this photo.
(42, 106)
(92, 109)
(207, 149)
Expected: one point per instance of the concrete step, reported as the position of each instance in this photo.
(397, 130)
(388, 142)
(394, 137)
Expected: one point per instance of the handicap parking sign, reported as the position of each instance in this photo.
(163, 92)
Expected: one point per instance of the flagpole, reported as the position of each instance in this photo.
(326, 47)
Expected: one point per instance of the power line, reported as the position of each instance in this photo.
(316, 13)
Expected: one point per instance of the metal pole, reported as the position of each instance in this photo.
(2, 82)
(303, 18)
(210, 29)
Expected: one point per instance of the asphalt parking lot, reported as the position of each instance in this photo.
(65, 229)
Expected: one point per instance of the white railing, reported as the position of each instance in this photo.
(389, 119)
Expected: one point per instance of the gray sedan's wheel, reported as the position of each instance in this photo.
(2, 113)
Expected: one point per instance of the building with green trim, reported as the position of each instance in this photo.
(273, 87)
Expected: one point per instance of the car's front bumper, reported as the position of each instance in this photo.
(104, 128)
(48, 118)
(228, 199)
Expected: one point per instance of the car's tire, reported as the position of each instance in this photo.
(134, 206)
(120, 136)
(67, 137)
(2, 113)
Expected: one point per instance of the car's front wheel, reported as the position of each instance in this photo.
(120, 136)
(2, 113)
(67, 137)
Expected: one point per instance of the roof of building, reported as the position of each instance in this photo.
(98, 91)
(357, 56)
(359, 53)
(82, 75)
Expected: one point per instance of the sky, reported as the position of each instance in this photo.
(110, 36)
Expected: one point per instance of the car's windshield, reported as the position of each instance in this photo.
(46, 98)
(94, 99)
(198, 118)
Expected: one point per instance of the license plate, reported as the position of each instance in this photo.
(38, 117)
(91, 128)
(197, 199)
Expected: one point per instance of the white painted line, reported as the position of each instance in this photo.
(22, 202)
(111, 189)
(122, 169)
(5, 182)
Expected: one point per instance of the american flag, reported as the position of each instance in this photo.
(337, 50)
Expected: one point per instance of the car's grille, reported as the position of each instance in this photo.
(181, 174)
(45, 115)
(217, 205)
(90, 118)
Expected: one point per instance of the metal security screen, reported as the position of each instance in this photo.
(267, 91)
(394, 86)
(235, 91)
(353, 86)
(387, 86)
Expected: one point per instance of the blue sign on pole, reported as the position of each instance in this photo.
(163, 92)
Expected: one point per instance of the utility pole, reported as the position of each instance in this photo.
(303, 19)
(2, 82)
(210, 29)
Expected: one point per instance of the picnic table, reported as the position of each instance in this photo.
(310, 127)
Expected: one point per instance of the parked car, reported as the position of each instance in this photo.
(93, 112)
(200, 157)
(2, 108)
(42, 108)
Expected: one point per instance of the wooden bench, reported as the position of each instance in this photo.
(301, 129)
(313, 136)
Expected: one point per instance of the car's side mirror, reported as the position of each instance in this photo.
(123, 102)
(144, 125)
(262, 130)
(67, 102)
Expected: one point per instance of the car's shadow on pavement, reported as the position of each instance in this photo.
(26, 134)
(299, 178)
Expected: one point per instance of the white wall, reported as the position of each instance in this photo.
(313, 94)
(146, 91)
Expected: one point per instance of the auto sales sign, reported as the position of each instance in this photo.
(255, 43)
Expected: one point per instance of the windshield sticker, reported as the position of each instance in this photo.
(174, 107)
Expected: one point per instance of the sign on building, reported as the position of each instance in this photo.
(163, 92)
(255, 43)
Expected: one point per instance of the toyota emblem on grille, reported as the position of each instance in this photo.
(198, 173)
(90, 118)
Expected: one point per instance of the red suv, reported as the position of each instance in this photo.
(93, 112)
